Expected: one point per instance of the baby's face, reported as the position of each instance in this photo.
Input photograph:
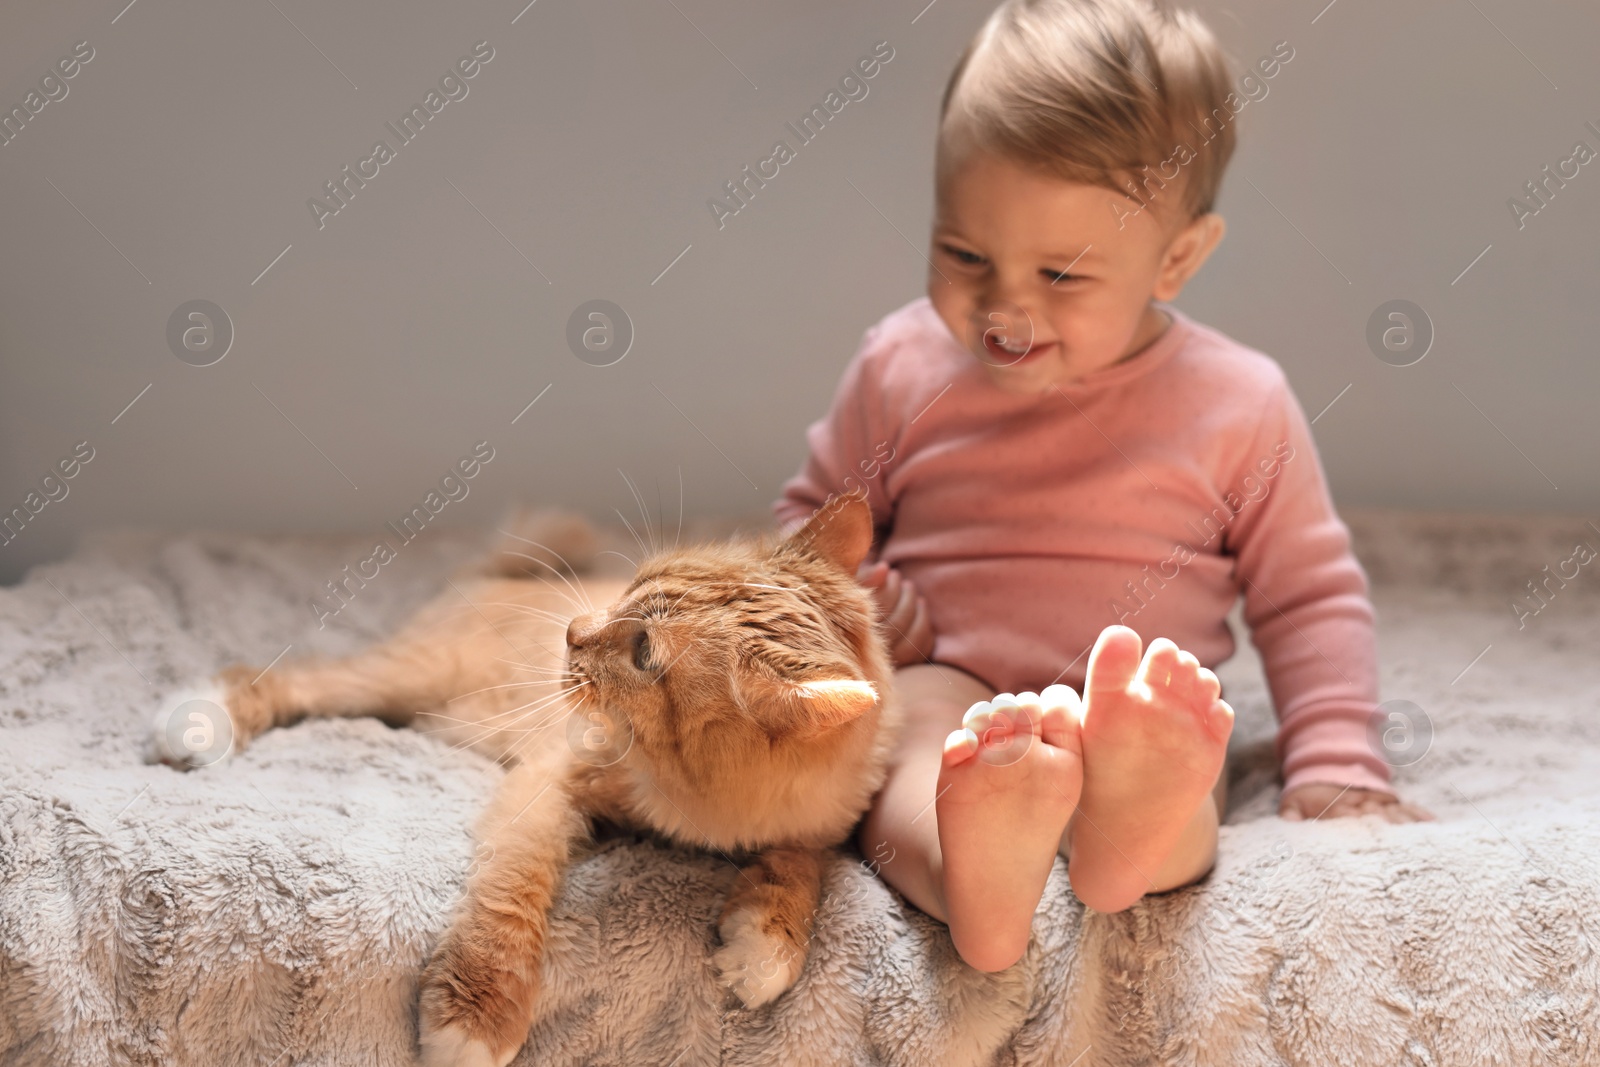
(1048, 280)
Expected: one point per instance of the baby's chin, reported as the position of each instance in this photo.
(1048, 372)
(1030, 377)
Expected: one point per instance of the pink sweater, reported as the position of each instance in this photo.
(1151, 493)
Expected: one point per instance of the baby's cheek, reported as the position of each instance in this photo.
(952, 304)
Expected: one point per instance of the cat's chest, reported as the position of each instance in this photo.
(813, 809)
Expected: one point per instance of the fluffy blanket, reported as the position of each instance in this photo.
(275, 909)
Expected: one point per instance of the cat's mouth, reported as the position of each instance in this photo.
(577, 683)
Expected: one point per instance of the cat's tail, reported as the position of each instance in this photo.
(538, 542)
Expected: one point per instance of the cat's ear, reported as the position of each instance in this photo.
(840, 531)
(806, 707)
(821, 705)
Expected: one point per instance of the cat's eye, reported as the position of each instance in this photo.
(641, 651)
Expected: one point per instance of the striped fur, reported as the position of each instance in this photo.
(733, 696)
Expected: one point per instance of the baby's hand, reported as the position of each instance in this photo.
(1318, 799)
(902, 611)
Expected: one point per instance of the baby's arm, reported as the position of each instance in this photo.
(1307, 607)
(849, 449)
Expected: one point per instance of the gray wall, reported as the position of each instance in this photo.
(433, 308)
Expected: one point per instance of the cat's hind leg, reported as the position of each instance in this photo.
(465, 657)
(207, 722)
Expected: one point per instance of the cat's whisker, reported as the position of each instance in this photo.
(485, 624)
(635, 617)
(455, 736)
(484, 732)
(533, 559)
(576, 598)
(538, 704)
(661, 514)
(540, 701)
(507, 685)
(556, 654)
(537, 669)
(614, 552)
(677, 603)
(531, 734)
(577, 591)
(644, 548)
(529, 609)
(644, 512)
(679, 535)
(489, 626)
(486, 727)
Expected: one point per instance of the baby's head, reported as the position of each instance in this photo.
(1074, 182)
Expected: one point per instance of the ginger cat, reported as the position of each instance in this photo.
(734, 696)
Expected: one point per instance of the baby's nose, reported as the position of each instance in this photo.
(1007, 322)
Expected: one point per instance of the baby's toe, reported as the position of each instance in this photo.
(1185, 684)
(959, 746)
(1219, 719)
(1114, 661)
(1004, 712)
(1063, 697)
(1003, 727)
(1061, 721)
(1060, 728)
(977, 716)
(1026, 712)
(1162, 666)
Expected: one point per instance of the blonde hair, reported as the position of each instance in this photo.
(1112, 93)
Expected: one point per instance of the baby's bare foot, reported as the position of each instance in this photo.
(1009, 782)
(1154, 736)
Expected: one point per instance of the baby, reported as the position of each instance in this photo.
(1074, 482)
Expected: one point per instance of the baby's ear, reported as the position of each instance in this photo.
(808, 707)
(840, 531)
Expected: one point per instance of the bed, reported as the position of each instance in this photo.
(276, 908)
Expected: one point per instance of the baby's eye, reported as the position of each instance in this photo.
(961, 255)
(1060, 277)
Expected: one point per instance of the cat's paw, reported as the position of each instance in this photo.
(472, 1012)
(452, 1047)
(193, 727)
(757, 965)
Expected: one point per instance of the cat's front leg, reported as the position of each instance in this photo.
(480, 986)
(766, 924)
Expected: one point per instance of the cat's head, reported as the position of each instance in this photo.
(752, 681)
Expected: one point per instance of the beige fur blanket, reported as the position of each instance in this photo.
(276, 909)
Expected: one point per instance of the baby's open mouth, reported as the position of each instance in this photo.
(1013, 350)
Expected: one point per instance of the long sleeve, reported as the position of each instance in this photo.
(1306, 605)
(849, 447)
(1029, 522)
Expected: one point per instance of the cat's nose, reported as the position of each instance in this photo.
(582, 629)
